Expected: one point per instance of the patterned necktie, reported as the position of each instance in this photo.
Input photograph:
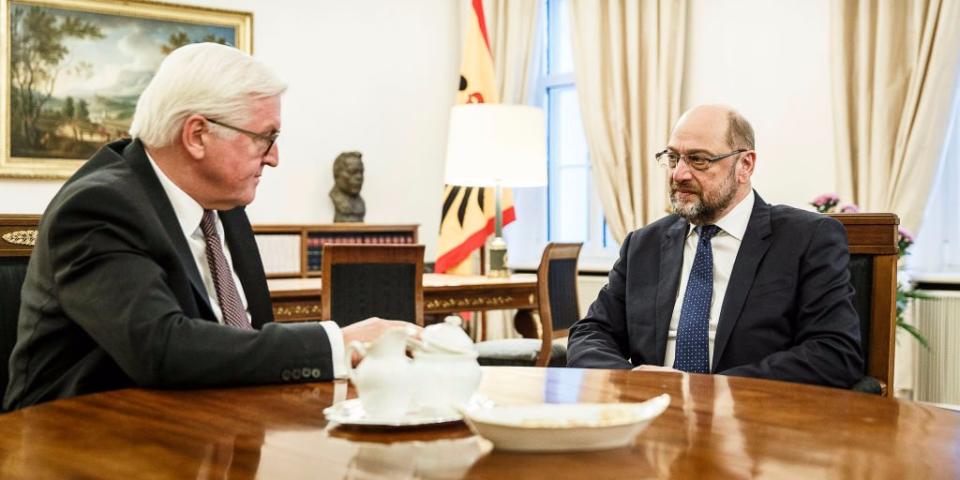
(230, 303)
(693, 354)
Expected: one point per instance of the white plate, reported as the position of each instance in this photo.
(564, 427)
(351, 412)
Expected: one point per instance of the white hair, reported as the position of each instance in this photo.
(208, 79)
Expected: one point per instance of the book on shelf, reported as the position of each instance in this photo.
(297, 250)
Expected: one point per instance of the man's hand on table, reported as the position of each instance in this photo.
(368, 330)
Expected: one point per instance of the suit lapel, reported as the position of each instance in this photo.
(755, 243)
(137, 157)
(671, 259)
(248, 265)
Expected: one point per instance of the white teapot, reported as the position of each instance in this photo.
(445, 365)
(384, 379)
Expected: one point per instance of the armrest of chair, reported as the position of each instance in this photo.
(869, 385)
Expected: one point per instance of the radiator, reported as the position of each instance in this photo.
(938, 369)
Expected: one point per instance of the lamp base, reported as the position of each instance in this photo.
(498, 259)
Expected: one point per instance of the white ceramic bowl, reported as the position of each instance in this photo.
(564, 427)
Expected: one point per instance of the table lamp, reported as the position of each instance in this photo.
(499, 146)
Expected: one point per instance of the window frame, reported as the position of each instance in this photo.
(599, 250)
(937, 247)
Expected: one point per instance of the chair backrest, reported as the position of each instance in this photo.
(362, 281)
(557, 293)
(872, 238)
(18, 234)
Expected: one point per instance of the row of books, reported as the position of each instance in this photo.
(315, 243)
(318, 241)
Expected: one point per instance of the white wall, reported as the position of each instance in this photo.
(771, 61)
(378, 76)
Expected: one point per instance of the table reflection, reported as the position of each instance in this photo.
(230, 457)
(372, 453)
(562, 385)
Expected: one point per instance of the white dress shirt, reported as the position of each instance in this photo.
(189, 213)
(725, 246)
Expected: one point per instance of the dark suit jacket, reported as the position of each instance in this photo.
(787, 313)
(113, 297)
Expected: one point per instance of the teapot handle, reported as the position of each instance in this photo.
(361, 349)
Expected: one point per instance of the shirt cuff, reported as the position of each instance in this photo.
(336, 348)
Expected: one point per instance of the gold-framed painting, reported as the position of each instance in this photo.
(71, 72)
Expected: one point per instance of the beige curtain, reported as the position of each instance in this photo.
(894, 76)
(512, 26)
(628, 63)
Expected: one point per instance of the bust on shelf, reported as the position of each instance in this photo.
(345, 194)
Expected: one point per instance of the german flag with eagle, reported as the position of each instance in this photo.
(468, 213)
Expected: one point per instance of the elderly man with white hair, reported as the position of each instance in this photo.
(146, 272)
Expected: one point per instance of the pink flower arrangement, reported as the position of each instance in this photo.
(825, 203)
(904, 240)
(850, 208)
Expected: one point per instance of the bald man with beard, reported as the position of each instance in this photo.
(727, 284)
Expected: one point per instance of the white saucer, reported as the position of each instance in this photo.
(351, 412)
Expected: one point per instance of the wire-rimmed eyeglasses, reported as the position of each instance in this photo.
(269, 139)
(697, 161)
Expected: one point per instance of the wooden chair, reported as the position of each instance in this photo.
(558, 307)
(362, 281)
(872, 238)
(18, 234)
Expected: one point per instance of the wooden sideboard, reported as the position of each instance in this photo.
(291, 251)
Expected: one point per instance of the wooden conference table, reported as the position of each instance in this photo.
(715, 427)
(297, 299)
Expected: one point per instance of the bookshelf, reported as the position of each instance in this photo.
(292, 251)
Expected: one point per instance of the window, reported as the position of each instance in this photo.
(569, 206)
(938, 244)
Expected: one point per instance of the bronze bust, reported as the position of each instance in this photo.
(345, 194)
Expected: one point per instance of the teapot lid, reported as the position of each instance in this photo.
(448, 335)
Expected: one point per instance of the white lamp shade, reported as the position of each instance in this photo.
(490, 144)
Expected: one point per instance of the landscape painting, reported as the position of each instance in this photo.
(72, 75)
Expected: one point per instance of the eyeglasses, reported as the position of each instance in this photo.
(696, 161)
(268, 139)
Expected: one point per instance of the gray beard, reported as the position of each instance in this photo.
(704, 211)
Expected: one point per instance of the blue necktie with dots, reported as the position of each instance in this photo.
(693, 354)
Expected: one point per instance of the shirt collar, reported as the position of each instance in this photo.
(735, 223)
(187, 210)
